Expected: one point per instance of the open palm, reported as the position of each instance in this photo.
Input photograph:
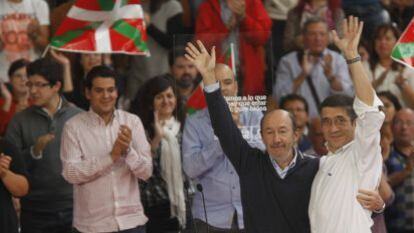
(352, 28)
(203, 61)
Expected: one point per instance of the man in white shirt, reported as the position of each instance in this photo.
(104, 152)
(354, 159)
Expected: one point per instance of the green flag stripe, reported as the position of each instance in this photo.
(124, 2)
(129, 31)
(106, 5)
(59, 41)
(404, 50)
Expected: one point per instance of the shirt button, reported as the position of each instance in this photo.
(234, 187)
(116, 204)
(232, 172)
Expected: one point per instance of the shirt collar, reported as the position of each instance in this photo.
(58, 107)
(340, 150)
(283, 172)
(97, 119)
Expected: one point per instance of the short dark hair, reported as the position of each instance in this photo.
(175, 53)
(340, 101)
(313, 20)
(292, 119)
(17, 65)
(48, 69)
(392, 98)
(143, 103)
(101, 71)
(293, 97)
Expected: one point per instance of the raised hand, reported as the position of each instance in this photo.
(202, 60)
(159, 132)
(307, 63)
(352, 30)
(5, 91)
(60, 57)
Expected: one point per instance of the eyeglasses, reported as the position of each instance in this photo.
(37, 85)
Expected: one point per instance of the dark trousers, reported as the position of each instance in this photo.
(138, 229)
(202, 227)
(159, 219)
(46, 222)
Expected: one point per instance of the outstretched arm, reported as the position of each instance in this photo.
(231, 140)
(348, 44)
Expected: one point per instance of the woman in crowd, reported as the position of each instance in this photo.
(330, 10)
(386, 74)
(14, 95)
(163, 194)
(391, 106)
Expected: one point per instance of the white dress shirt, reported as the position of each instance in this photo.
(333, 205)
(106, 194)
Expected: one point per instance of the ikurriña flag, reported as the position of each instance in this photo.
(403, 51)
(103, 26)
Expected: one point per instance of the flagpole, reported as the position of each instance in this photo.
(46, 50)
(233, 63)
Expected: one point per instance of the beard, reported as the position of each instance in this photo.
(185, 81)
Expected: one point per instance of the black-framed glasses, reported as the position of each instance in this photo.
(37, 85)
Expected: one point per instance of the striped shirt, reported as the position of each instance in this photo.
(106, 194)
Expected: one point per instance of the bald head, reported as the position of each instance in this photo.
(278, 114)
(225, 76)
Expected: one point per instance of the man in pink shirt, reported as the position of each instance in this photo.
(104, 152)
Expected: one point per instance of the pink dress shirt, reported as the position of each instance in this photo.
(106, 194)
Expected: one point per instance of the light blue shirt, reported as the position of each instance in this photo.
(205, 162)
(283, 172)
(289, 69)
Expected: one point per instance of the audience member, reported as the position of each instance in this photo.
(400, 215)
(298, 107)
(278, 12)
(16, 98)
(328, 10)
(163, 194)
(36, 132)
(205, 162)
(385, 73)
(24, 31)
(316, 137)
(315, 72)
(184, 73)
(246, 25)
(104, 152)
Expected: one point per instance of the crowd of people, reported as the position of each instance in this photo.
(93, 142)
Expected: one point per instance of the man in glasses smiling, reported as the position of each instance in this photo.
(36, 132)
